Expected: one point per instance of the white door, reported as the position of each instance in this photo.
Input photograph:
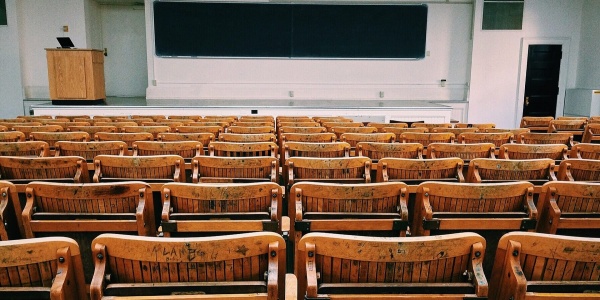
(124, 36)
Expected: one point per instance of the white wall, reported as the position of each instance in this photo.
(496, 58)
(588, 75)
(40, 22)
(93, 24)
(448, 42)
(11, 90)
(125, 67)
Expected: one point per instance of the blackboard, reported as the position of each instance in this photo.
(209, 29)
(3, 19)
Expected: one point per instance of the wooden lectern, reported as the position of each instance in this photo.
(76, 74)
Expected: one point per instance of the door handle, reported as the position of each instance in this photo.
(526, 101)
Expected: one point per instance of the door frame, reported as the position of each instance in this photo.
(562, 79)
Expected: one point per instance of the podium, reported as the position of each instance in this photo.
(76, 75)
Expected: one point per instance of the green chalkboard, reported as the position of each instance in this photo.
(211, 29)
(3, 20)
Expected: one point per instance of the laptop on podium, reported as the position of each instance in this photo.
(65, 42)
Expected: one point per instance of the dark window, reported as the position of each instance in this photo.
(3, 20)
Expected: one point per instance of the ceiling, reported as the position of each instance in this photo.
(121, 2)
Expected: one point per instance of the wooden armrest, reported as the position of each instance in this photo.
(476, 264)
(64, 276)
(530, 205)
(291, 287)
(98, 280)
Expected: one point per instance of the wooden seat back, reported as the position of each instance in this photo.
(339, 169)
(206, 208)
(355, 138)
(430, 126)
(365, 209)
(381, 126)
(29, 148)
(117, 123)
(203, 137)
(456, 131)
(89, 150)
(129, 138)
(26, 169)
(330, 125)
(185, 149)
(154, 130)
(67, 124)
(533, 151)
(585, 150)
(537, 171)
(498, 139)
(153, 117)
(12, 136)
(3, 128)
(298, 124)
(11, 125)
(27, 130)
(240, 265)
(324, 119)
(591, 133)
(228, 119)
(400, 130)
(96, 119)
(569, 206)
(251, 130)
(377, 151)
(91, 130)
(415, 171)
(426, 138)
(547, 138)
(247, 138)
(234, 169)
(345, 266)
(475, 125)
(325, 137)
(574, 126)
(300, 149)
(247, 123)
(539, 124)
(541, 266)
(205, 123)
(339, 131)
(13, 120)
(172, 124)
(49, 121)
(11, 226)
(464, 151)
(44, 268)
(228, 149)
(155, 168)
(579, 170)
(52, 137)
(515, 131)
(185, 117)
(215, 130)
(280, 119)
(256, 119)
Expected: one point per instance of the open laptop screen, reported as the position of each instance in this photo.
(65, 42)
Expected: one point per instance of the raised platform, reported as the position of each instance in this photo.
(368, 110)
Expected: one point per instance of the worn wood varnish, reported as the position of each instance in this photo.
(155, 168)
(415, 171)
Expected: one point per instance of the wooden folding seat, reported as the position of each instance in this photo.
(83, 211)
(58, 169)
(426, 138)
(430, 126)
(228, 149)
(256, 119)
(11, 125)
(377, 151)
(246, 138)
(456, 131)
(579, 170)
(185, 117)
(300, 149)
(155, 118)
(570, 208)
(27, 149)
(536, 124)
(247, 265)
(34, 118)
(65, 125)
(154, 130)
(203, 137)
(298, 124)
(333, 170)
(279, 119)
(331, 119)
(204, 208)
(11, 226)
(591, 133)
(516, 132)
(228, 119)
(52, 137)
(325, 137)
(128, 138)
(72, 118)
(475, 125)
(532, 151)
(234, 169)
(118, 124)
(357, 267)
(532, 265)
(574, 127)
(57, 120)
(215, 130)
(594, 119)
(3, 128)
(209, 123)
(89, 150)
(547, 138)
(91, 130)
(354, 138)
(585, 150)
(464, 151)
(381, 126)
(251, 130)
(151, 169)
(536, 171)
(94, 120)
(13, 120)
(27, 130)
(12, 136)
(415, 171)
(400, 130)
(572, 118)
(253, 124)
(305, 130)
(498, 139)
(369, 209)
(44, 268)
(140, 121)
(185, 149)
(114, 118)
(172, 124)
(338, 131)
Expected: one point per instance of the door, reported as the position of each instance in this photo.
(541, 81)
